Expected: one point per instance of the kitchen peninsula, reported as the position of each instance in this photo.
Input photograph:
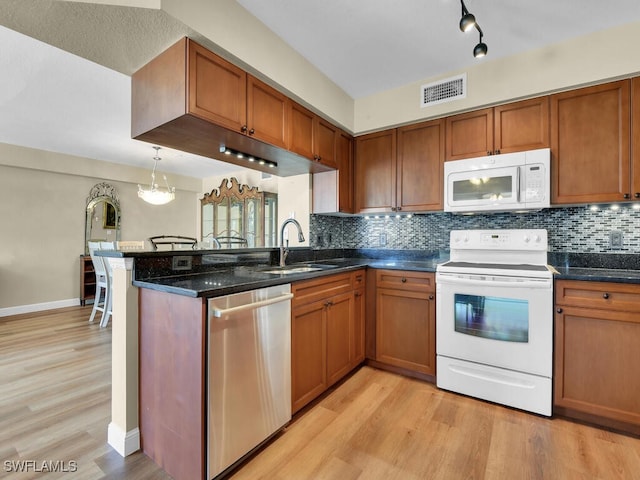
(150, 280)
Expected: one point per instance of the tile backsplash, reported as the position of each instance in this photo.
(573, 229)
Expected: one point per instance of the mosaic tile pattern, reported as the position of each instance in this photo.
(573, 229)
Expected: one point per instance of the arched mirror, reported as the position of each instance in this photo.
(102, 221)
(239, 216)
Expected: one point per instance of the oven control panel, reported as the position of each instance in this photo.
(525, 239)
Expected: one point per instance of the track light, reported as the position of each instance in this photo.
(467, 22)
(245, 156)
(480, 49)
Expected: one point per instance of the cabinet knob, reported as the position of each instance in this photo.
(489, 152)
(558, 310)
(497, 152)
(358, 294)
(328, 303)
(399, 208)
(605, 295)
(403, 280)
(252, 131)
(243, 129)
(627, 196)
(637, 194)
(430, 297)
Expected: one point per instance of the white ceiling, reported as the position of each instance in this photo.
(53, 98)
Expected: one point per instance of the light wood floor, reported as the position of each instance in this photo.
(55, 406)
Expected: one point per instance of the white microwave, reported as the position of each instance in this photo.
(508, 182)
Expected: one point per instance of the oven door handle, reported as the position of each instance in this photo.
(526, 283)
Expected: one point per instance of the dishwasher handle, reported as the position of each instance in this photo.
(219, 312)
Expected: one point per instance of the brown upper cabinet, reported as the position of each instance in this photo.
(225, 94)
(513, 127)
(192, 100)
(333, 190)
(312, 137)
(635, 138)
(400, 169)
(590, 144)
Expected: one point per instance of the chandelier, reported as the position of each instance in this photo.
(156, 195)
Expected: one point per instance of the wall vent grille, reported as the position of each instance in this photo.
(453, 88)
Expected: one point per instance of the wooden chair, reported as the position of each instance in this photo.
(173, 240)
(107, 314)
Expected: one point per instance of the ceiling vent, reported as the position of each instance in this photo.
(446, 90)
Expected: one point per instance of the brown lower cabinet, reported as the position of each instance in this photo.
(405, 320)
(597, 353)
(327, 333)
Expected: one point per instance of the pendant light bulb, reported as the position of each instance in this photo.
(467, 22)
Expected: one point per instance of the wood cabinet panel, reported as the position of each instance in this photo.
(327, 333)
(420, 166)
(469, 134)
(590, 144)
(301, 131)
(308, 353)
(521, 125)
(325, 142)
(375, 172)
(405, 329)
(267, 113)
(172, 359)
(217, 89)
(405, 320)
(635, 138)
(340, 316)
(597, 333)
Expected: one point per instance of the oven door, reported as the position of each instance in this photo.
(496, 320)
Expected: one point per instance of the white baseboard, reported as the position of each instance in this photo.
(38, 307)
(125, 443)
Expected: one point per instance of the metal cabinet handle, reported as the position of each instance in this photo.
(328, 303)
(636, 195)
(558, 310)
(627, 196)
(403, 280)
(252, 131)
(430, 297)
(220, 312)
(243, 129)
(605, 295)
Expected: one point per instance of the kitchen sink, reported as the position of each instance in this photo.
(290, 269)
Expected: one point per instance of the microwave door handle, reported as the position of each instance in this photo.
(518, 184)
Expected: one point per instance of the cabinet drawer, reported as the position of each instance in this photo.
(321, 288)
(604, 295)
(405, 280)
(358, 279)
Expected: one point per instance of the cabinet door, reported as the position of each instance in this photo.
(357, 345)
(344, 160)
(635, 138)
(420, 166)
(325, 143)
(267, 113)
(339, 310)
(405, 329)
(590, 144)
(375, 172)
(521, 126)
(308, 353)
(301, 131)
(596, 364)
(469, 135)
(217, 89)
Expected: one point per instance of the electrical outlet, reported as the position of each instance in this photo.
(615, 239)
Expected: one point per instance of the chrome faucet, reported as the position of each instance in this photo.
(284, 251)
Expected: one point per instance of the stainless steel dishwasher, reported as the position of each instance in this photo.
(249, 372)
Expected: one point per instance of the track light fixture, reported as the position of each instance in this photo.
(467, 22)
(247, 157)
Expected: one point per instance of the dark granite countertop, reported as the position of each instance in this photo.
(598, 274)
(225, 281)
(220, 273)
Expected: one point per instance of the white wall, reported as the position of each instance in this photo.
(42, 207)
